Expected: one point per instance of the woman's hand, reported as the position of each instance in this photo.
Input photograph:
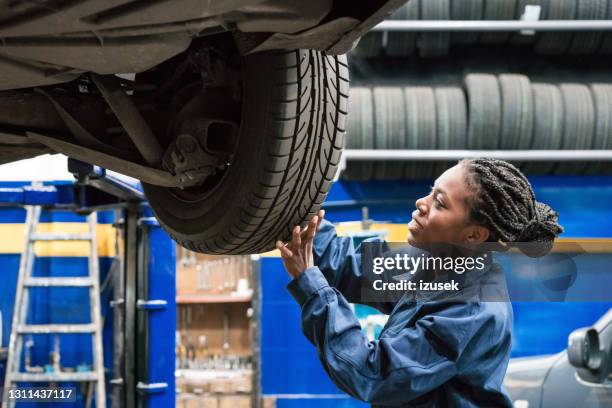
(297, 254)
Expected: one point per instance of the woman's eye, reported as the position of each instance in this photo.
(438, 204)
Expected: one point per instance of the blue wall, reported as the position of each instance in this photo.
(583, 203)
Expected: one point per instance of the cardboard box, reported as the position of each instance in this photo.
(193, 386)
(197, 401)
(243, 384)
(235, 401)
(269, 402)
(203, 382)
(221, 386)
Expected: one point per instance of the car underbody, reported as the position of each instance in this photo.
(171, 93)
(54, 41)
(59, 41)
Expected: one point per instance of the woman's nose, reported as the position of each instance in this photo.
(421, 205)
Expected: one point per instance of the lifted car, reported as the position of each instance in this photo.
(231, 112)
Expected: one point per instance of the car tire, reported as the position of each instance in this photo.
(602, 98)
(390, 129)
(547, 124)
(291, 138)
(451, 114)
(466, 10)
(517, 113)
(420, 128)
(434, 45)
(403, 44)
(556, 43)
(498, 10)
(578, 124)
(606, 42)
(587, 43)
(485, 111)
(360, 131)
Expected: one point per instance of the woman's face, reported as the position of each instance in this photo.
(442, 215)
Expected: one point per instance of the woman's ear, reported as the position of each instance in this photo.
(476, 234)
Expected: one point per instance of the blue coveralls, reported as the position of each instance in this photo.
(429, 354)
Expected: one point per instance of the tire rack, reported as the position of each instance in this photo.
(509, 118)
(442, 155)
(398, 24)
(499, 21)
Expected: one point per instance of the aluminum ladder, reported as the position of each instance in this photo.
(20, 327)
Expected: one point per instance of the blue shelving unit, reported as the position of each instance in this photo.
(155, 307)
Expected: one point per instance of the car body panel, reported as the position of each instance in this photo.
(551, 381)
(525, 377)
(43, 45)
(563, 388)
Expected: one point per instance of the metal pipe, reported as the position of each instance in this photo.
(130, 274)
(519, 155)
(494, 25)
(254, 272)
(117, 271)
(130, 118)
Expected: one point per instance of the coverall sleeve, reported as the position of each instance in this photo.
(340, 263)
(394, 369)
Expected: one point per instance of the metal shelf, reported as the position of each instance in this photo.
(210, 298)
(442, 155)
(494, 25)
(433, 155)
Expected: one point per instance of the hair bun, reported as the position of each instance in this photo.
(537, 237)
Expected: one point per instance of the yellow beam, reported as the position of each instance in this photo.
(12, 239)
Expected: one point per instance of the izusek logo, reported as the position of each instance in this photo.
(412, 264)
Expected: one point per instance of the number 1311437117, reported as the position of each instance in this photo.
(41, 394)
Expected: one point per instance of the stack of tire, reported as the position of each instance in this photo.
(486, 112)
(438, 44)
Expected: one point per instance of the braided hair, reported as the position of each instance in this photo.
(504, 202)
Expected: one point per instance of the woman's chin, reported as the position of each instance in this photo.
(412, 240)
(414, 230)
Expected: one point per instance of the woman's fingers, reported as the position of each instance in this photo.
(296, 241)
(321, 215)
(316, 226)
(297, 238)
(312, 227)
(285, 252)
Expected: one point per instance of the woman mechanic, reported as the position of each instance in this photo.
(430, 353)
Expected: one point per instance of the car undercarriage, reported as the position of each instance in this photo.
(203, 102)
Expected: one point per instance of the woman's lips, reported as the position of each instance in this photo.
(415, 224)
